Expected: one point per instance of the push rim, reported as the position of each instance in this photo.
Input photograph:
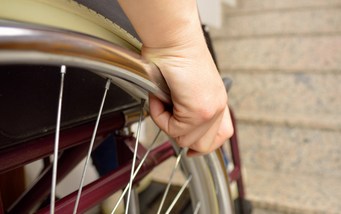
(17, 41)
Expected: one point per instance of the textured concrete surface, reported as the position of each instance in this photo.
(295, 22)
(295, 99)
(303, 194)
(284, 58)
(322, 53)
(270, 5)
(296, 93)
(291, 149)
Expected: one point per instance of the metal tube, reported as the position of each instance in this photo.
(107, 185)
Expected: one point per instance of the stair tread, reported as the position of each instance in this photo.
(248, 6)
(293, 193)
(329, 122)
(278, 23)
(286, 53)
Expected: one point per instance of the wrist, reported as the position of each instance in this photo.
(185, 33)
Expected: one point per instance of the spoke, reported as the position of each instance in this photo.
(182, 152)
(197, 208)
(179, 194)
(134, 205)
(136, 171)
(90, 147)
(135, 153)
(146, 155)
(56, 143)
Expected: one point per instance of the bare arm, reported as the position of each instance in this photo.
(172, 38)
(163, 23)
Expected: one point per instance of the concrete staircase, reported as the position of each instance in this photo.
(285, 60)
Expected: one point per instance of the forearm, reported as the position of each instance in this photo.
(172, 38)
(164, 23)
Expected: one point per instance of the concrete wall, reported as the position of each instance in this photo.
(285, 60)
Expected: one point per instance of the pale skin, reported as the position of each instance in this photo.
(172, 38)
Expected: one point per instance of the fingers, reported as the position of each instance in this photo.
(170, 121)
(200, 138)
(159, 114)
(205, 136)
(216, 135)
(225, 131)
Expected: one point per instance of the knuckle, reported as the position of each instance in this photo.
(210, 108)
(205, 113)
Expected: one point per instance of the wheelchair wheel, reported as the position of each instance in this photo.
(65, 56)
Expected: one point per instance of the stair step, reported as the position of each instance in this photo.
(278, 23)
(285, 149)
(264, 5)
(289, 97)
(301, 121)
(293, 193)
(283, 53)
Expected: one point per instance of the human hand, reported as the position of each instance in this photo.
(199, 118)
(172, 38)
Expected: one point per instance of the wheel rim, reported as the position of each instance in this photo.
(143, 76)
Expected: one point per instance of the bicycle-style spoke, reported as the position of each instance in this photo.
(179, 194)
(197, 208)
(134, 205)
(56, 143)
(26, 45)
(146, 155)
(90, 147)
(136, 171)
(135, 154)
(182, 152)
